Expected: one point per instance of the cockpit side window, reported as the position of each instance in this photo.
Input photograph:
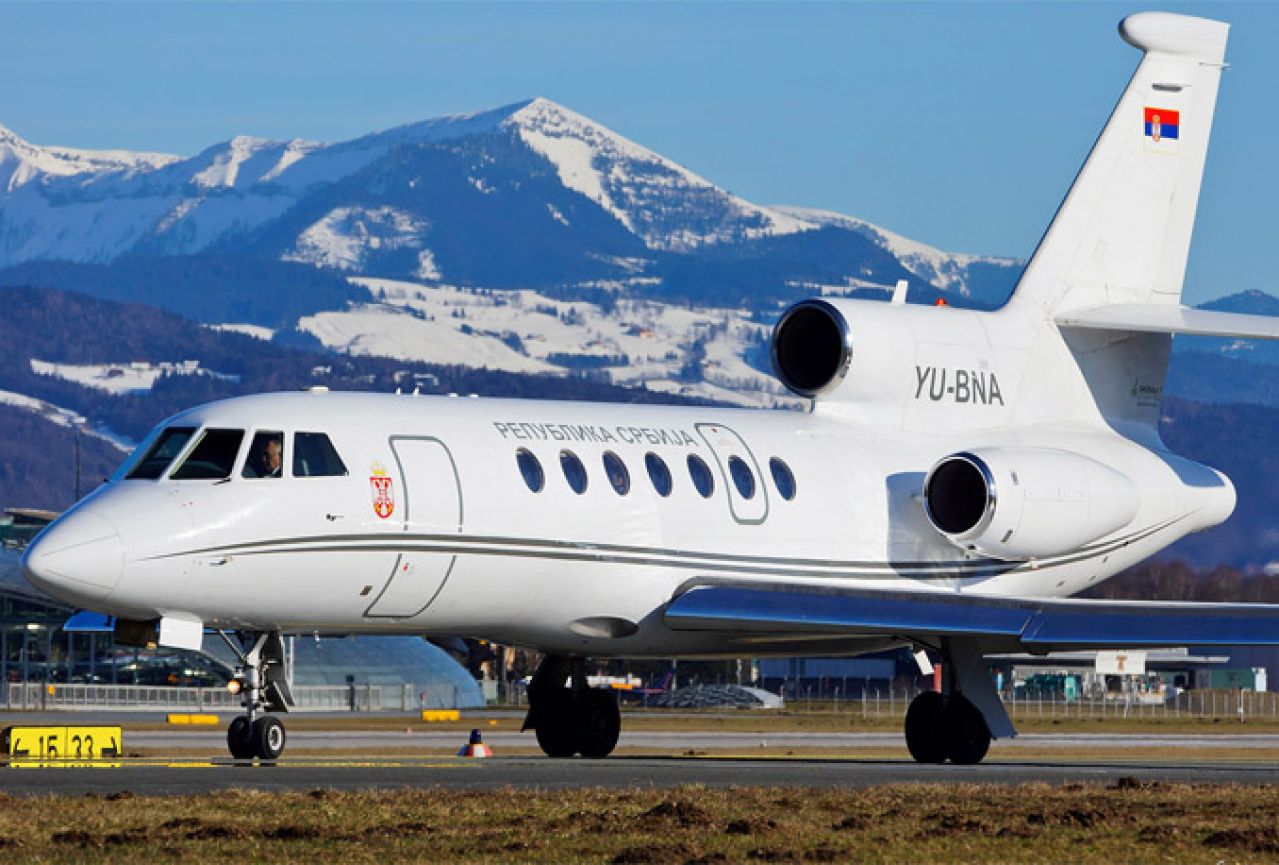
(212, 457)
(169, 444)
(266, 456)
(315, 457)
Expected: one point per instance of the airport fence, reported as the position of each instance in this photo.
(1230, 704)
(21, 696)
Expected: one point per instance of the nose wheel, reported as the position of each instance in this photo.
(262, 678)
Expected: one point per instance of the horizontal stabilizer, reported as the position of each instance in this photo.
(1033, 624)
(1171, 318)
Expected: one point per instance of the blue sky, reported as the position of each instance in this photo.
(957, 124)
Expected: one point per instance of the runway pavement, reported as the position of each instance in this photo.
(616, 772)
(190, 761)
(213, 739)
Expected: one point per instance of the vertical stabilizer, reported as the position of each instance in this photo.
(1122, 234)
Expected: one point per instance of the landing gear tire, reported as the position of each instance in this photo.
(238, 739)
(600, 724)
(268, 738)
(941, 728)
(588, 723)
(967, 736)
(576, 719)
(926, 728)
(555, 734)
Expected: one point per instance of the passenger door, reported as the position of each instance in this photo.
(432, 518)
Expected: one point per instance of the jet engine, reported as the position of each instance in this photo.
(1026, 503)
(811, 348)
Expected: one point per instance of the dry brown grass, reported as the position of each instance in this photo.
(1125, 822)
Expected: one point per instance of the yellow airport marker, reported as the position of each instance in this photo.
(175, 718)
(435, 715)
(63, 746)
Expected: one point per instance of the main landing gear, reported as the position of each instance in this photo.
(959, 723)
(262, 679)
(569, 716)
(941, 728)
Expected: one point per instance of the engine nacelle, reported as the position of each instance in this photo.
(1026, 503)
(880, 355)
(812, 348)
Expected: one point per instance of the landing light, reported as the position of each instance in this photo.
(234, 686)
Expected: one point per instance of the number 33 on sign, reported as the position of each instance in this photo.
(35, 747)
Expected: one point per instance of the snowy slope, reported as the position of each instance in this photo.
(65, 417)
(945, 270)
(637, 186)
(22, 162)
(122, 378)
(632, 343)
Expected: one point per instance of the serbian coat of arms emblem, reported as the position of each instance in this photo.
(383, 491)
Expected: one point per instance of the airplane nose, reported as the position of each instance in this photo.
(80, 554)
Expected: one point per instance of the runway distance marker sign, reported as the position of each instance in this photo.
(40, 747)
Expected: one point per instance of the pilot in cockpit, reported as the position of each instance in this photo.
(266, 457)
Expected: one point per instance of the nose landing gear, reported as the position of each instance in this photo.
(571, 718)
(263, 676)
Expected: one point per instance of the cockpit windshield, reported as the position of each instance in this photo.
(212, 457)
(169, 444)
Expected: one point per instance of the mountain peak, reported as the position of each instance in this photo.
(637, 186)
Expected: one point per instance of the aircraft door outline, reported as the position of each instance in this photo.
(428, 474)
(726, 444)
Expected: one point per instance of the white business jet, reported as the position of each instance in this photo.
(959, 474)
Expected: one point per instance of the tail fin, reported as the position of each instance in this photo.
(1123, 232)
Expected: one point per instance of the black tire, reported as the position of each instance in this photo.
(555, 731)
(268, 738)
(967, 736)
(926, 728)
(238, 739)
(556, 740)
(599, 723)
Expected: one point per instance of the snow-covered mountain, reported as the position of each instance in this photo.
(424, 242)
(399, 203)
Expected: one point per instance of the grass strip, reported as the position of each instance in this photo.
(1127, 821)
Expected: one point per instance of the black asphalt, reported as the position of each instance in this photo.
(617, 772)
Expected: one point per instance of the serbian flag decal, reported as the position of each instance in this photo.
(1163, 128)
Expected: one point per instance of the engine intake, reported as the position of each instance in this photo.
(1026, 503)
(811, 348)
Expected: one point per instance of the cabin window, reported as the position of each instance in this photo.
(315, 457)
(615, 471)
(574, 471)
(213, 456)
(531, 469)
(266, 456)
(658, 473)
(703, 482)
(782, 478)
(743, 477)
(166, 447)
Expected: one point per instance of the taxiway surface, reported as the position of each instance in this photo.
(213, 740)
(617, 772)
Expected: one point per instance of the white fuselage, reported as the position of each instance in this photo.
(434, 528)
